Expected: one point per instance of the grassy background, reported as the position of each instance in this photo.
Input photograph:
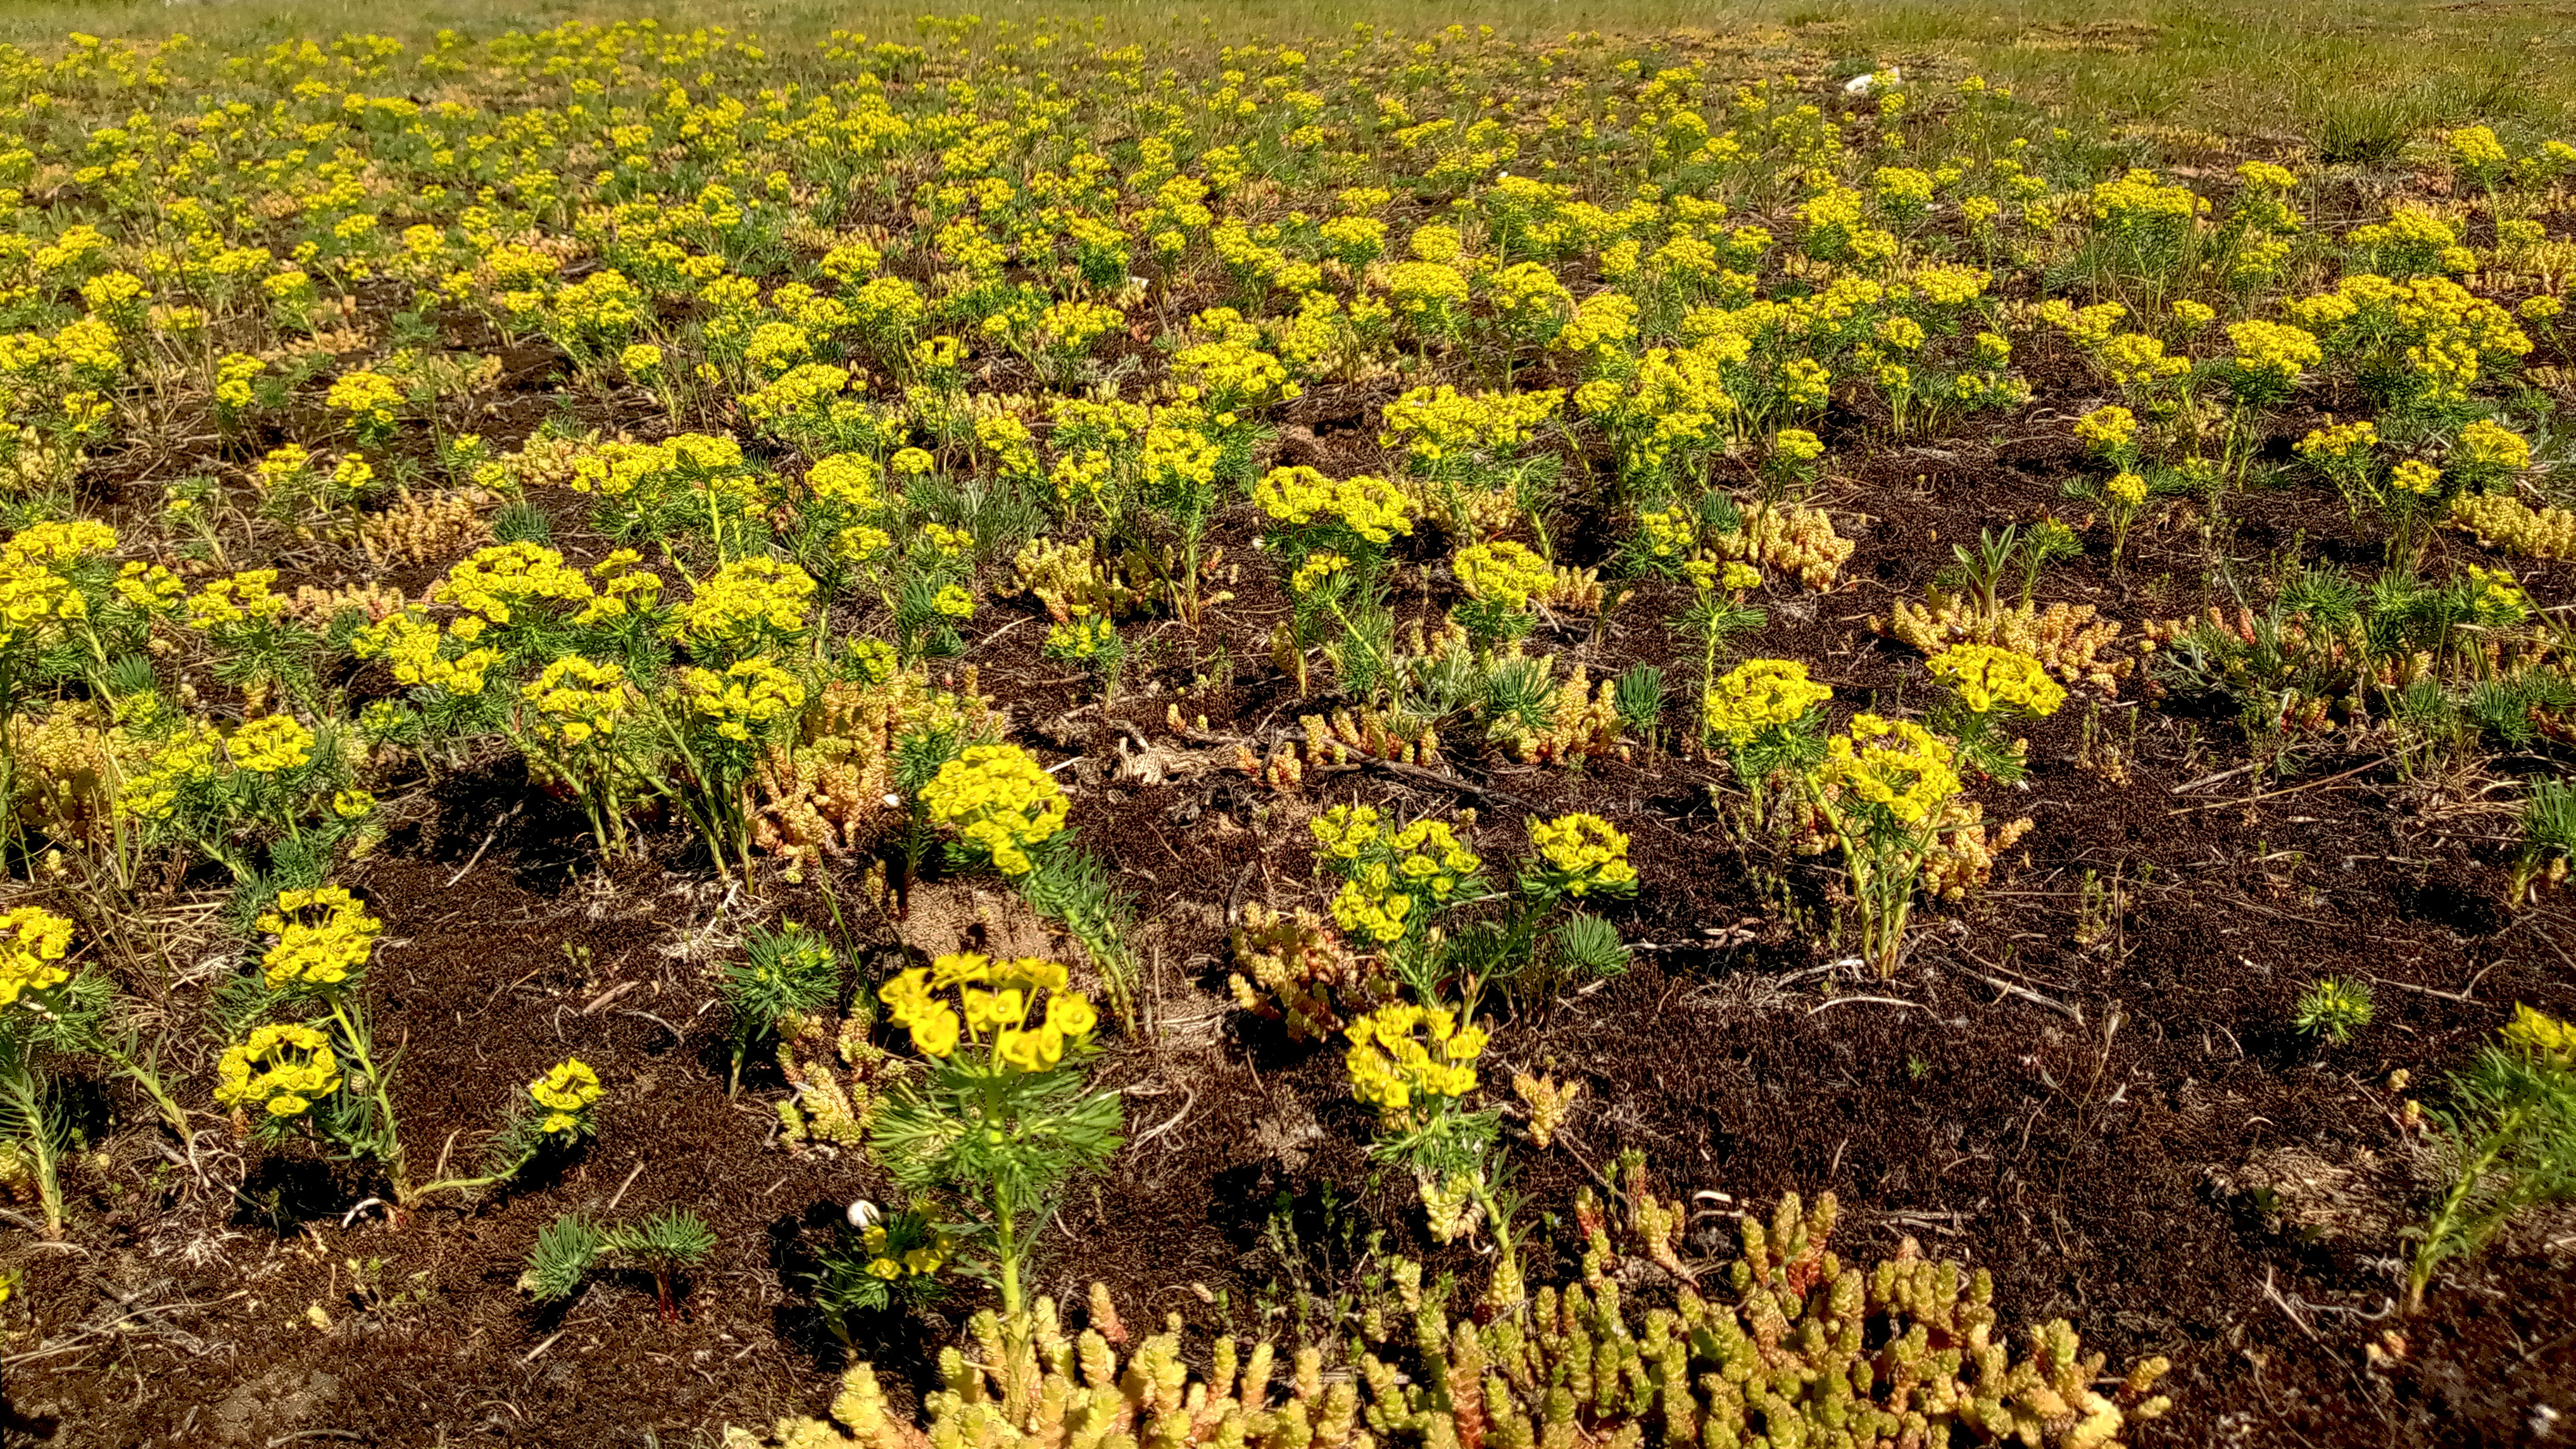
(2355, 77)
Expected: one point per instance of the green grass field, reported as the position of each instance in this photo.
(2353, 78)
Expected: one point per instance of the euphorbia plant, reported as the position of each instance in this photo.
(293, 1071)
(1884, 791)
(1006, 1113)
(1416, 1065)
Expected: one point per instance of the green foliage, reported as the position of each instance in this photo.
(788, 971)
(564, 1252)
(665, 1244)
(1587, 945)
(2333, 1007)
(2510, 1132)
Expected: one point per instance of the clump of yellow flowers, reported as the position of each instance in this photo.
(1004, 1113)
(567, 1092)
(997, 1008)
(323, 937)
(1988, 678)
(1401, 1053)
(284, 1067)
(1578, 855)
(32, 943)
(1001, 801)
(1885, 791)
(1758, 698)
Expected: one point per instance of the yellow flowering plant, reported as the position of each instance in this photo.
(1004, 1114)
(553, 1113)
(716, 727)
(1330, 538)
(240, 799)
(1883, 791)
(576, 725)
(1416, 1065)
(1765, 713)
(1988, 682)
(46, 1006)
(321, 943)
(881, 1262)
(281, 1069)
(1503, 582)
(1001, 803)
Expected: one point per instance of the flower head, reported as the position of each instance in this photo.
(285, 1068)
(568, 1090)
(323, 936)
(32, 943)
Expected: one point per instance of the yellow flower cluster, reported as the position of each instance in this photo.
(1314, 569)
(996, 1001)
(578, 701)
(745, 604)
(1988, 678)
(1401, 1052)
(1504, 573)
(498, 582)
(1435, 424)
(922, 1260)
(1896, 765)
(284, 1067)
(270, 745)
(368, 397)
(1000, 800)
(745, 699)
(2491, 449)
(32, 943)
(1370, 904)
(567, 1091)
(244, 598)
(1759, 695)
(421, 655)
(2541, 1036)
(1582, 854)
(2338, 442)
(851, 481)
(2274, 352)
(323, 935)
(619, 469)
(2110, 430)
(36, 590)
(1371, 509)
(1087, 637)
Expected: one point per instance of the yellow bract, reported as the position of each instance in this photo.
(1370, 508)
(1896, 765)
(322, 937)
(1584, 853)
(270, 744)
(1006, 1018)
(747, 697)
(1988, 678)
(1402, 1052)
(568, 1090)
(32, 943)
(284, 1067)
(1000, 800)
(1758, 695)
(1504, 573)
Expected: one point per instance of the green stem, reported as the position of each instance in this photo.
(388, 1144)
(2445, 1224)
